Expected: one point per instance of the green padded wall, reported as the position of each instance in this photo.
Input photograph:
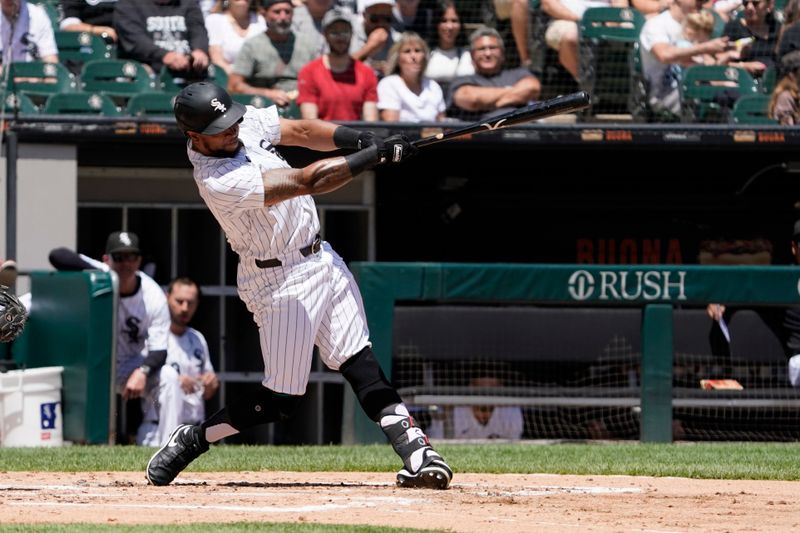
(71, 324)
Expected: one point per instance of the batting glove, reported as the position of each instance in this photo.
(395, 149)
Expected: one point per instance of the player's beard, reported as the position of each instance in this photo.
(227, 153)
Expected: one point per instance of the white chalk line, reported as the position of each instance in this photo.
(366, 503)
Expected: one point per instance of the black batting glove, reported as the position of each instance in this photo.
(366, 139)
(395, 149)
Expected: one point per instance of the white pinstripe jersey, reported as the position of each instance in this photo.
(233, 189)
(142, 325)
(188, 353)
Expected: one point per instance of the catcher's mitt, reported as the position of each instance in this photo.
(14, 315)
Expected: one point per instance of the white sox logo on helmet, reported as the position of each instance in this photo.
(218, 106)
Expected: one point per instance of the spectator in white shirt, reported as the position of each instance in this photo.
(406, 94)
(229, 24)
(451, 57)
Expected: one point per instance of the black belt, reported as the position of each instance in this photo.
(312, 248)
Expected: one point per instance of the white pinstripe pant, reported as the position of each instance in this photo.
(307, 301)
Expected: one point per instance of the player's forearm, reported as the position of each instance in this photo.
(313, 134)
(320, 177)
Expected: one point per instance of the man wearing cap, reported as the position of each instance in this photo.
(336, 86)
(299, 290)
(142, 328)
(267, 64)
(373, 34)
(307, 20)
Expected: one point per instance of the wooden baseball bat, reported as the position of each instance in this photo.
(545, 108)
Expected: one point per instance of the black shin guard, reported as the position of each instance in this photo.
(369, 383)
(253, 408)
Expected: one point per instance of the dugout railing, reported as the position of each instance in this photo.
(660, 292)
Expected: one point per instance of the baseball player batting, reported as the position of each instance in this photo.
(299, 290)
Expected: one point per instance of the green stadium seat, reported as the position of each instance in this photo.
(118, 78)
(39, 79)
(19, 103)
(752, 109)
(719, 24)
(606, 36)
(151, 104)
(290, 111)
(78, 47)
(766, 84)
(702, 83)
(172, 84)
(81, 103)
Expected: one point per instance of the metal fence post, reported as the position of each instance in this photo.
(656, 420)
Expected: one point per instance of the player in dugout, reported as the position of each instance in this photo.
(297, 287)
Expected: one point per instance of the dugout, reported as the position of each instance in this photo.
(543, 193)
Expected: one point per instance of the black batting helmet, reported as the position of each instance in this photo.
(206, 108)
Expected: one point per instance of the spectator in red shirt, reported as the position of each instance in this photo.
(336, 86)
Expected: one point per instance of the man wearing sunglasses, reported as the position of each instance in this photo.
(142, 326)
(373, 34)
(336, 86)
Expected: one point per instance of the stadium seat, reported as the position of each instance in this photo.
(290, 111)
(78, 47)
(39, 79)
(173, 84)
(766, 84)
(702, 83)
(81, 103)
(151, 104)
(752, 109)
(719, 24)
(607, 35)
(118, 78)
(19, 103)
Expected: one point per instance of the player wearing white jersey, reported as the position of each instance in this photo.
(299, 290)
(187, 379)
(142, 324)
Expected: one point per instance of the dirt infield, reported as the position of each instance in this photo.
(475, 503)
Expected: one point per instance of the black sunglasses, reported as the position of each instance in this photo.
(123, 257)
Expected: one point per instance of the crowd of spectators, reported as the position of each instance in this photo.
(403, 60)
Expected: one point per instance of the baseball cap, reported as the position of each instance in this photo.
(335, 15)
(123, 242)
(269, 3)
(206, 108)
(370, 3)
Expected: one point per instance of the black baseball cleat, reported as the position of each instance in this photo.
(185, 444)
(434, 474)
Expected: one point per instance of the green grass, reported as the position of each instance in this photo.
(701, 460)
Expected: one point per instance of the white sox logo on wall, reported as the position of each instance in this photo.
(494, 126)
(218, 106)
(628, 285)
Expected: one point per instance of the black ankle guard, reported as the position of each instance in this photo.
(253, 408)
(373, 390)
